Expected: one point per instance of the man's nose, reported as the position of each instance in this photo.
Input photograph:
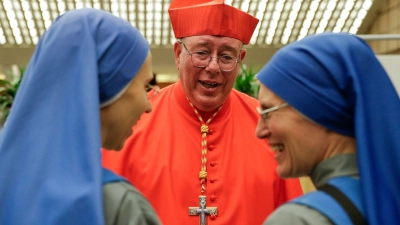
(213, 64)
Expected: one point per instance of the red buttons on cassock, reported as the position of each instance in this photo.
(210, 148)
(213, 197)
(212, 180)
(213, 163)
(213, 217)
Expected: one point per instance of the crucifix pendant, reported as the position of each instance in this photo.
(203, 211)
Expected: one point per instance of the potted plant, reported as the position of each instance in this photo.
(8, 90)
(246, 81)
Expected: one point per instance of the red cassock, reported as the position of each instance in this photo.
(163, 160)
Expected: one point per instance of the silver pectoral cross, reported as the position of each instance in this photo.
(203, 211)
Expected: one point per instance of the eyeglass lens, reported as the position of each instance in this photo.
(202, 59)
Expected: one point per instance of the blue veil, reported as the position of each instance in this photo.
(336, 80)
(50, 166)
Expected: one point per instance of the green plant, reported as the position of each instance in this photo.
(8, 90)
(246, 81)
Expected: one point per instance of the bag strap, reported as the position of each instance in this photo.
(108, 176)
(354, 214)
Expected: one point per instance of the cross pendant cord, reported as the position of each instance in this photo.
(204, 130)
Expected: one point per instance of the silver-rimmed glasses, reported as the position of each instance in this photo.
(201, 59)
(152, 90)
(264, 113)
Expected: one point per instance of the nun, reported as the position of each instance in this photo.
(329, 111)
(84, 88)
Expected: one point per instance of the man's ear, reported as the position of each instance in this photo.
(242, 54)
(177, 53)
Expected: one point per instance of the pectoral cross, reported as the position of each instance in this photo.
(203, 211)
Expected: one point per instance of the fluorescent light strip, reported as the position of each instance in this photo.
(166, 26)
(343, 15)
(253, 7)
(141, 23)
(115, 8)
(236, 4)
(157, 40)
(367, 4)
(255, 34)
(123, 15)
(88, 4)
(9, 35)
(13, 22)
(349, 5)
(33, 33)
(290, 23)
(96, 5)
(166, 15)
(7, 5)
(259, 14)
(150, 7)
(274, 22)
(360, 16)
(78, 4)
(61, 7)
(44, 6)
(131, 11)
(157, 32)
(45, 14)
(141, 7)
(309, 17)
(150, 21)
(244, 6)
(324, 21)
(172, 38)
(335, 15)
(29, 21)
(2, 37)
(106, 6)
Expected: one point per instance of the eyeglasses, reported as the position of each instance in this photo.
(264, 113)
(152, 90)
(200, 59)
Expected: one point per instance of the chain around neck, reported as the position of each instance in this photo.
(204, 130)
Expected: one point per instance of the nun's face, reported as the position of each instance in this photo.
(298, 143)
(118, 118)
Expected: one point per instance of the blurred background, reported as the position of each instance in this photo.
(22, 22)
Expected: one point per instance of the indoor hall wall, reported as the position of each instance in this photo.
(387, 22)
(391, 65)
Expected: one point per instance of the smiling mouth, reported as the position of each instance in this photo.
(208, 84)
(277, 148)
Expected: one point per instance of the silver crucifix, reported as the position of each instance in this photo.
(203, 211)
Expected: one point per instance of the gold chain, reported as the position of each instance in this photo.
(204, 130)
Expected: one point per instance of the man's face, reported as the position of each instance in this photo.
(207, 88)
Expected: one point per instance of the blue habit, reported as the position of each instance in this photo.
(50, 161)
(335, 80)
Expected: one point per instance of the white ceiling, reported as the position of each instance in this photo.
(281, 22)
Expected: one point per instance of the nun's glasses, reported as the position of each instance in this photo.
(264, 113)
(152, 90)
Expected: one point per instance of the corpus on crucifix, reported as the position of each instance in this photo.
(203, 210)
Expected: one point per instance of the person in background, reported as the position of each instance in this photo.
(84, 88)
(331, 112)
(195, 156)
